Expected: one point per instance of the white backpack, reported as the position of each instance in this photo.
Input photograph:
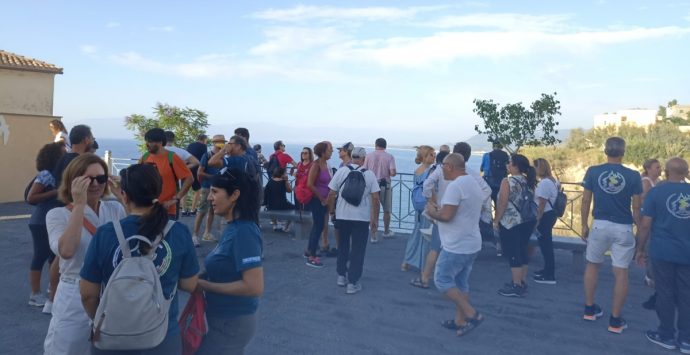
(133, 311)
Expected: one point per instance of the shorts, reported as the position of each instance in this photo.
(435, 239)
(204, 205)
(386, 196)
(196, 185)
(618, 238)
(453, 270)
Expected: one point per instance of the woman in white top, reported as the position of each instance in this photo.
(545, 197)
(70, 230)
(650, 175)
(60, 132)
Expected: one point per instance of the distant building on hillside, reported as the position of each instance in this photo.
(26, 108)
(639, 117)
(681, 111)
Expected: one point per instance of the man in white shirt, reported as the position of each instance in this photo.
(354, 221)
(458, 222)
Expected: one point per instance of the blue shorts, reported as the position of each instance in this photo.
(435, 239)
(453, 270)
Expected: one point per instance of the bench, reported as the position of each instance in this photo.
(574, 244)
(301, 220)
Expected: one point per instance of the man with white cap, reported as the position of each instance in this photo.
(357, 208)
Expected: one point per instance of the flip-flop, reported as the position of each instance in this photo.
(417, 282)
(450, 324)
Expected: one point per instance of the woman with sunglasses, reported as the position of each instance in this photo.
(234, 277)
(70, 230)
(513, 231)
(174, 258)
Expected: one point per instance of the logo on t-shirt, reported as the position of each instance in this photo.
(611, 182)
(678, 205)
(162, 259)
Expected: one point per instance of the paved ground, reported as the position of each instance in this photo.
(304, 312)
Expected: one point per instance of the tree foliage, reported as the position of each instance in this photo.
(186, 123)
(662, 111)
(515, 126)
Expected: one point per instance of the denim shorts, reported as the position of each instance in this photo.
(435, 238)
(453, 270)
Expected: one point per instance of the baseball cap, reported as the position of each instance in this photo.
(218, 138)
(359, 152)
(347, 146)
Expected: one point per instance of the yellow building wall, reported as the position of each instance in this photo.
(27, 134)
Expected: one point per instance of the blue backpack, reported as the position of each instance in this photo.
(418, 199)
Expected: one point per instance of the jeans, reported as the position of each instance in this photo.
(352, 247)
(672, 293)
(318, 215)
(545, 228)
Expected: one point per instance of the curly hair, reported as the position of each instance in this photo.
(49, 155)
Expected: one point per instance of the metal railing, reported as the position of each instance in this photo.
(403, 214)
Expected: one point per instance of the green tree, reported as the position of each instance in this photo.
(186, 123)
(672, 103)
(661, 112)
(514, 126)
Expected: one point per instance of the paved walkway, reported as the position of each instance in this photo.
(304, 312)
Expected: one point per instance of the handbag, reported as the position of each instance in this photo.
(193, 324)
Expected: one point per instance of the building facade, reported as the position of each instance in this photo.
(639, 117)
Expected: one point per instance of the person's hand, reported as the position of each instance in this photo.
(323, 201)
(641, 258)
(585, 233)
(169, 203)
(80, 187)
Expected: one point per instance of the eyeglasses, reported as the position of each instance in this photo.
(305, 152)
(100, 179)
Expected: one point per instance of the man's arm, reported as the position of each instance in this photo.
(216, 161)
(192, 162)
(584, 213)
(445, 214)
(642, 236)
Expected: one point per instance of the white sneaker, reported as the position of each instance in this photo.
(195, 240)
(37, 300)
(353, 288)
(48, 307)
(388, 234)
(342, 281)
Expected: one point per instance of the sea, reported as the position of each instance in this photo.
(404, 157)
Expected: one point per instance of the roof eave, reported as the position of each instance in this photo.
(39, 70)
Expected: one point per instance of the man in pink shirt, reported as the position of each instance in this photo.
(382, 164)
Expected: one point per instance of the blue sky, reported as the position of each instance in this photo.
(352, 70)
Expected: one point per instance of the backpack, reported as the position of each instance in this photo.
(302, 192)
(561, 201)
(272, 165)
(170, 161)
(352, 189)
(497, 164)
(133, 311)
(418, 199)
(526, 205)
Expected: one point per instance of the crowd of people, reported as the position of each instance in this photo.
(87, 225)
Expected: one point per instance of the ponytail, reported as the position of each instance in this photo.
(152, 224)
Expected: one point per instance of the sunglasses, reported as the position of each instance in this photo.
(100, 179)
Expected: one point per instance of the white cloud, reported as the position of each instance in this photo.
(303, 13)
(162, 28)
(88, 49)
(287, 39)
(112, 24)
(505, 21)
(446, 47)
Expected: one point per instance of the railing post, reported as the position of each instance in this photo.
(108, 160)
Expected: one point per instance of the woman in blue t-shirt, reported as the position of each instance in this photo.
(175, 257)
(234, 276)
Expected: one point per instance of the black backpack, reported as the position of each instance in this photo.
(352, 189)
(526, 205)
(561, 201)
(498, 160)
(272, 165)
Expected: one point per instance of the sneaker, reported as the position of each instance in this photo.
(48, 307)
(592, 312)
(511, 290)
(617, 324)
(499, 250)
(388, 234)
(353, 288)
(208, 237)
(314, 262)
(656, 338)
(684, 347)
(195, 240)
(37, 300)
(192, 213)
(374, 240)
(541, 279)
(539, 273)
(342, 281)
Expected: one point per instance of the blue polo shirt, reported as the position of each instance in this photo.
(206, 182)
(613, 187)
(668, 204)
(175, 258)
(239, 249)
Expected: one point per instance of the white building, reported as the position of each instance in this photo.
(639, 117)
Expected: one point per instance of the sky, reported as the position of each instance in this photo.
(352, 70)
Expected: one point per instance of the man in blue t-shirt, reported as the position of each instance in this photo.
(666, 212)
(205, 174)
(613, 188)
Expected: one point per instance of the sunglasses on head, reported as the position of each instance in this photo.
(100, 179)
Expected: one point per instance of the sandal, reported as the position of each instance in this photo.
(417, 282)
(450, 324)
(470, 324)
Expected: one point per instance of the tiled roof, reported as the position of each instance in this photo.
(18, 62)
